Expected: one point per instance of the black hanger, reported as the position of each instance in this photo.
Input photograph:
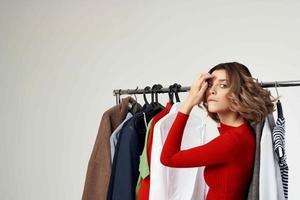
(153, 106)
(157, 88)
(176, 88)
(147, 88)
(171, 94)
(154, 93)
(278, 104)
(149, 110)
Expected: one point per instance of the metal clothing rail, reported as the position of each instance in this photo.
(119, 92)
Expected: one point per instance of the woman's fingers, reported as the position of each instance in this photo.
(203, 78)
(198, 88)
(203, 88)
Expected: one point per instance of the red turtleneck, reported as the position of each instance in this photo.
(228, 158)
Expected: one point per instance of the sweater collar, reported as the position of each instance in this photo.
(224, 127)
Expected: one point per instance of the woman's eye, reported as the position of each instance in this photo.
(223, 85)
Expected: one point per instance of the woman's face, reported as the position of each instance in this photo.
(218, 88)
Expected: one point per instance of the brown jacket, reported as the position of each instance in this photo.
(99, 166)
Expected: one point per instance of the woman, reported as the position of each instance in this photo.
(233, 99)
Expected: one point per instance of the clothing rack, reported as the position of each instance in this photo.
(119, 92)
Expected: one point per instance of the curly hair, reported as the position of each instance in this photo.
(246, 95)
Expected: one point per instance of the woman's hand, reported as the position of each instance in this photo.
(196, 93)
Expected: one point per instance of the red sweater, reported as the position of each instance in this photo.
(228, 158)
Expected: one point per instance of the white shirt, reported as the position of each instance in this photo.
(270, 185)
(168, 183)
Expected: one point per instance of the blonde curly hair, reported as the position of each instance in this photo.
(246, 95)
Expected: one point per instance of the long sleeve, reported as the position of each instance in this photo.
(222, 149)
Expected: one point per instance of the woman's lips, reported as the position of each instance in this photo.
(211, 100)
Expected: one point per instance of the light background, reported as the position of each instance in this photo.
(61, 60)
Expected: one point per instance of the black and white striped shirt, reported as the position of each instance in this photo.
(279, 147)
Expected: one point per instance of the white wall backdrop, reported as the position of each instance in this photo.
(60, 61)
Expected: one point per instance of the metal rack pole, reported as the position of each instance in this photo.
(185, 89)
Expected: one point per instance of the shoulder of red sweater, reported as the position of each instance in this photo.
(240, 135)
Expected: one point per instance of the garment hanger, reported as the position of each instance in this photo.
(279, 115)
(171, 94)
(157, 87)
(131, 102)
(154, 93)
(147, 88)
(118, 97)
(176, 88)
(137, 87)
(278, 104)
(149, 110)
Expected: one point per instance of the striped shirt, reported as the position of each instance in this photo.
(279, 147)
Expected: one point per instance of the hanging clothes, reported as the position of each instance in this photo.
(228, 158)
(168, 183)
(279, 147)
(270, 185)
(143, 185)
(125, 163)
(115, 136)
(253, 192)
(143, 165)
(129, 147)
(99, 166)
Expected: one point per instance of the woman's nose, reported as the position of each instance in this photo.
(212, 90)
